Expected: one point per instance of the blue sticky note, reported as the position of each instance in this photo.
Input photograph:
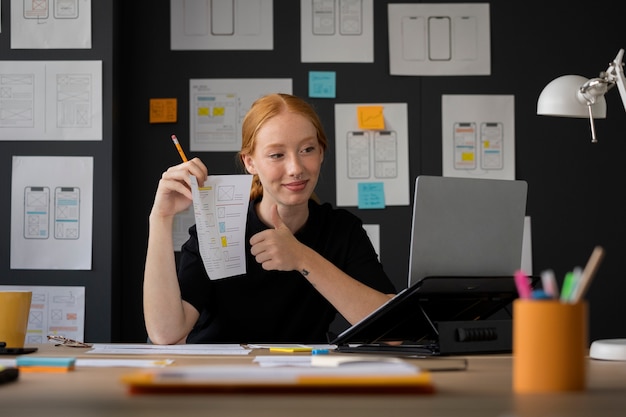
(45, 361)
(371, 195)
(322, 84)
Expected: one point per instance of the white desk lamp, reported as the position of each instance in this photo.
(576, 96)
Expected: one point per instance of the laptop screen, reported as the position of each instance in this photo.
(466, 227)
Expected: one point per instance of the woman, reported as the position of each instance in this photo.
(305, 261)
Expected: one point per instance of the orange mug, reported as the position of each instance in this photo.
(549, 346)
(14, 310)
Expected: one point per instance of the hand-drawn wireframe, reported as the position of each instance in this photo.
(413, 38)
(225, 192)
(439, 38)
(66, 212)
(17, 100)
(324, 17)
(465, 33)
(358, 147)
(222, 17)
(36, 9)
(74, 100)
(464, 140)
(350, 17)
(36, 212)
(491, 145)
(65, 9)
(385, 154)
(216, 117)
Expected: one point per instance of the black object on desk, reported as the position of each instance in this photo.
(439, 316)
(14, 350)
(8, 374)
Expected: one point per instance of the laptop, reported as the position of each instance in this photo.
(466, 227)
(466, 243)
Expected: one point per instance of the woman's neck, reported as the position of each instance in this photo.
(294, 217)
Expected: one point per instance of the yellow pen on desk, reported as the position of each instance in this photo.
(179, 148)
(290, 349)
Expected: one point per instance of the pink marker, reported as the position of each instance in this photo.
(523, 285)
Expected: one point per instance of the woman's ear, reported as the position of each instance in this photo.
(249, 164)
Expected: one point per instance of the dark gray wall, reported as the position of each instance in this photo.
(574, 185)
(101, 297)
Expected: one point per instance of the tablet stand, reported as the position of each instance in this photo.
(440, 316)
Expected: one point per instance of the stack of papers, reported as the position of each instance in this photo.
(318, 375)
(190, 349)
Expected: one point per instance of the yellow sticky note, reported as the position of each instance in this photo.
(371, 117)
(224, 242)
(163, 110)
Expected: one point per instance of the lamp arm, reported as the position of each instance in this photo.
(615, 75)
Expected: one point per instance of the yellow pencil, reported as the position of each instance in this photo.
(179, 148)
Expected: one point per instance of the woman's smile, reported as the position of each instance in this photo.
(296, 185)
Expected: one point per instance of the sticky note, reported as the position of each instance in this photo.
(371, 195)
(322, 84)
(44, 361)
(371, 117)
(163, 110)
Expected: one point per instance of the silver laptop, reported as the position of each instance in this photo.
(466, 243)
(466, 227)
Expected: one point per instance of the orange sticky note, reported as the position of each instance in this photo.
(371, 117)
(163, 110)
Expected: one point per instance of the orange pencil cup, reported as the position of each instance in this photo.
(549, 346)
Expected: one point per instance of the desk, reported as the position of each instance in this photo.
(484, 389)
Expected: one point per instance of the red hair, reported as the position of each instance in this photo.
(262, 110)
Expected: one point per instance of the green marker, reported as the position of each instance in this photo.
(568, 287)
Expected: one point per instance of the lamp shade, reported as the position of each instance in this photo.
(560, 98)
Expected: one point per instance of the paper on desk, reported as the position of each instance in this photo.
(119, 363)
(246, 373)
(191, 349)
(326, 361)
(108, 363)
(220, 208)
(283, 360)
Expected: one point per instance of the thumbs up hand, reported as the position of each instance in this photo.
(277, 248)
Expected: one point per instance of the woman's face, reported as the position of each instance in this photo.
(287, 158)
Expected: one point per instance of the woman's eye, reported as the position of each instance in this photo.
(275, 155)
(308, 149)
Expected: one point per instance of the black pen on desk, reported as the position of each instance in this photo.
(179, 148)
